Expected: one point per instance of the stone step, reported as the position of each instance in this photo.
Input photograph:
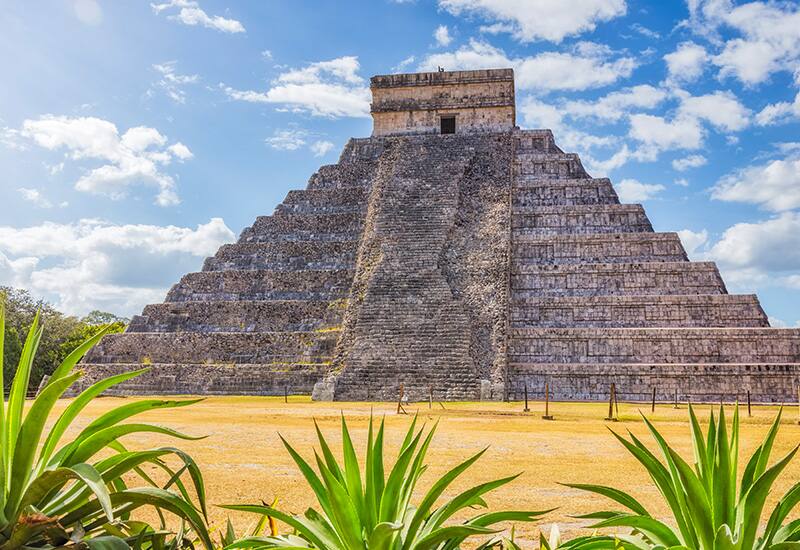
(215, 348)
(555, 220)
(598, 248)
(262, 284)
(725, 310)
(294, 226)
(284, 255)
(707, 382)
(324, 200)
(560, 165)
(242, 316)
(541, 141)
(654, 345)
(205, 379)
(349, 174)
(563, 192)
(656, 278)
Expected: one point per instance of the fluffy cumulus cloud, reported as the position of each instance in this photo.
(326, 88)
(442, 35)
(693, 241)
(658, 134)
(294, 139)
(773, 185)
(190, 13)
(529, 20)
(686, 63)
(37, 197)
(93, 264)
(762, 253)
(137, 157)
(767, 40)
(631, 190)
(780, 112)
(616, 105)
(586, 65)
(691, 161)
(721, 109)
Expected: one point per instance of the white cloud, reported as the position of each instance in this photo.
(692, 161)
(404, 64)
(442, 35)
(588, 65)
(88, 11)
(722, 109)
(135, 158)
(94, 264)
(266, 54)
(693, 240)
(321, 148)
(644, 31)
(190, 13)
(287, 140)
(173, 83)
(529, 20)
(776, 113)
(35, 196)
(326, 88)
(686, 64)
(683, 182)
(658, 134)
(769, 41)
(631, 190)
(615, 105)
(774, 185)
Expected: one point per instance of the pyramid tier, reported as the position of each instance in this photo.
(239, 316)
(598, 248)
(284, 256)
(696, 382)
(536, 165)
(722, 310)
(285, 226)
(564, 192)
(656, 278)
(215, 347)
(334, 176)
(642, 345)
(343, 199)
(554, 220)
(262, 284)
(210, 379)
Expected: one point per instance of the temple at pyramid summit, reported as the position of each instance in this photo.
(454, 254)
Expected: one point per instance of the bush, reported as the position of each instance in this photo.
(54, 494)
(374, 511)
(711, 509)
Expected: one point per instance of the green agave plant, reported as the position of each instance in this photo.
(56, 495)
(374, 510)
(710, 507)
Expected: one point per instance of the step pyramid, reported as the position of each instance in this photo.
(477, 265)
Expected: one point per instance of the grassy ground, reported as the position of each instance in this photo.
(244, 462)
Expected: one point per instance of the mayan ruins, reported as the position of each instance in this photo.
(453, 252)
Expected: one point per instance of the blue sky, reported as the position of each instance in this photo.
(137, 137)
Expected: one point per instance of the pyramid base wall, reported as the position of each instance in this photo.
(705, 383)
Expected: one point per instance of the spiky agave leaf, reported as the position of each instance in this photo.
(712, 509)
(66, 495)
(372, 509)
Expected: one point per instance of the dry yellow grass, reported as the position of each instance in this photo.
(244, 462)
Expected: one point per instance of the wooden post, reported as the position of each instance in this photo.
(653, 404)
(400, 393)
(526, 399)
(616, 401)
(676, 398)
(430, 397)
(798, 402)
(611, 399)
(547, 415)
(286, 394)
(749, 409)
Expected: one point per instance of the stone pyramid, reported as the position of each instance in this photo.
(453, 253)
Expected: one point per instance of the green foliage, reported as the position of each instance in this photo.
(64, 333)
(372, 510)
(710, 508)
(55, 494)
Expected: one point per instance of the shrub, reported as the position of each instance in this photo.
(709, 507)
(54, 495)
(374, 510)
